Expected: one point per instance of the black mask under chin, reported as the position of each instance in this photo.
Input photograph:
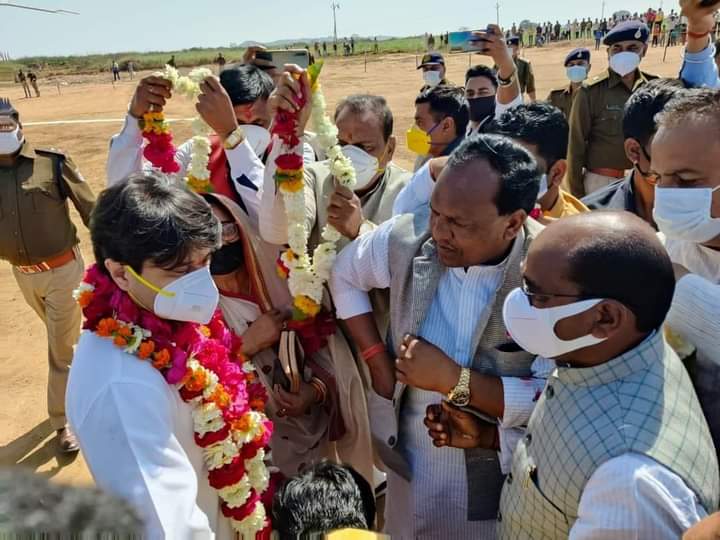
(227, 259)
(481, 108)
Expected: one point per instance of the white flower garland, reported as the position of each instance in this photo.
(198, 175)
(307, 277)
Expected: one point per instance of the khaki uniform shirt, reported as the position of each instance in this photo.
(35, 222)
(562, 98)
(596, 133)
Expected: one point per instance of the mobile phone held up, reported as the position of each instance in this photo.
(280, 57)
(468, 41)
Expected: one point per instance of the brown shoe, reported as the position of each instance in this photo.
(67, 441)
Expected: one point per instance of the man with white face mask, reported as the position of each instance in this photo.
(433, 70)
(596, 156)
(234, 106)
(365, 127)
(577, 67)
(687, 212)
(39, 240)
(617, 446)
(152, 240)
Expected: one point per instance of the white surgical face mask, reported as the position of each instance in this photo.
(624, 62)
(366, 166)
(533, 329)
(257, 137)
(577, 74)
(11, 141)
(684, 214)
(191, 298)
(543, 186)
(432, 78)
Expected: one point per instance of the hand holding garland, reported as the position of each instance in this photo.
(216, 108)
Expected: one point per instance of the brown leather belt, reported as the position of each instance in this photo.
(50, 264)
(612, 173)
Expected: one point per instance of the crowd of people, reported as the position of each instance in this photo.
(518, 339)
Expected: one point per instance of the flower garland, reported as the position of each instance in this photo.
(306, 277)
(227, 399)
(160, 150)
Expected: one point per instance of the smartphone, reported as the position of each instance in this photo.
(280, 57)
(468, 41)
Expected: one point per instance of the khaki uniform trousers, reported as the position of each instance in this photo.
(50, 295)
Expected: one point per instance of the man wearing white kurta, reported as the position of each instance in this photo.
(135, 431)
(447, 288)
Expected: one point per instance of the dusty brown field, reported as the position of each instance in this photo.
(25, 438)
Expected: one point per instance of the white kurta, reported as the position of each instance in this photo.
(434, 504)
(136, 435)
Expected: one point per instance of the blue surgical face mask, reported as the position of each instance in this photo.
(577, 74)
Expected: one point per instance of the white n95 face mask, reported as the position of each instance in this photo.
(684, 214)
(432, 78)
(577, 74)
(11, 141)
(366, 166)
(191, 298)
(624, 62)
(533, 329)
(257, 137)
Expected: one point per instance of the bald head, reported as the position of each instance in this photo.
(613, 255)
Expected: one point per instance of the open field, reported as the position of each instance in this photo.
(65, 65)
(25, 438)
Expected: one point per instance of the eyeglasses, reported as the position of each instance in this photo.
(543, 296)
(230, 231)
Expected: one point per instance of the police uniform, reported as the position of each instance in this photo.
(39, 240)
(563, 98)
(525, 75)
(596, 153)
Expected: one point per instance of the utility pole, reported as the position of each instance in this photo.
(497, 12)
(335, 6)
(603, 11)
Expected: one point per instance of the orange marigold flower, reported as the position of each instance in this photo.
(124, 331)
(204, 330)
(292, 186)
(197, 381)
(257, 405)
(250, 376)
(106, 327)
(146, 349)
(242, 424)
(85, 298)
(307, 305)
(220, 397)
(120, 341)
(161, 358)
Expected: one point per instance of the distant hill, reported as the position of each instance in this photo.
(328, 39)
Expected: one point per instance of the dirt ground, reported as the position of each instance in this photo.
(25, 437)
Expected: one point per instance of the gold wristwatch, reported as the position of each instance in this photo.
(460, 395)
(235, 138)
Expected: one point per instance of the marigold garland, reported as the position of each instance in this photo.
(160, 151)
(220, 385)
(306, 276)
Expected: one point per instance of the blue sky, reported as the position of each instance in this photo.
(122, 25)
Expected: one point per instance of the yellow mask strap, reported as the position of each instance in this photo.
(158, 290)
